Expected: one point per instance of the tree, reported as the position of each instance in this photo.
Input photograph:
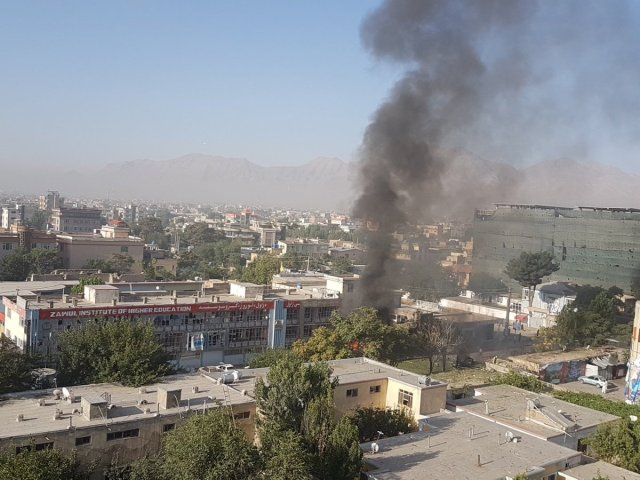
(298, 398)
(343, 457)
(530, 268)
(446, 338)
(425, 333)
(201, 234)
(121, 262)
(341, 266)
(359, 333)
(209, 447)
(152, 230)
(43, 260)
(268, 358)
(261, 270)
(47, 464)
(15, 367)
(118, 263)
(15, 267)
(618, 443)
(111, 351)
(389, 421)
(284, 456)
(290, 386)
(79, 288)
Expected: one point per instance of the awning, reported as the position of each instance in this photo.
(521, 317)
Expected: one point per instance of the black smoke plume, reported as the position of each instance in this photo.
(484, 75)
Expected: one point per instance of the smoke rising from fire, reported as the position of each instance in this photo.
(489, 76)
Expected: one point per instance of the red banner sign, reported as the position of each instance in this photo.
(117, 311)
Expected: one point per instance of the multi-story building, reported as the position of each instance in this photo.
(51, 200)
(304, 247)
(78, 249)
(105, 421)
(26, 239)
(13, 215)
(196, 329)
(76, 220)
(593, 246)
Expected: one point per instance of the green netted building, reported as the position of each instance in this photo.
(595, 246)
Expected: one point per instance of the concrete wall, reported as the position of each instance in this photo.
(476, 308)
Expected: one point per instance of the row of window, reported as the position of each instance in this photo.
(353, 392)
(405, 398)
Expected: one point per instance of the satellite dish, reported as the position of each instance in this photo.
(375, 448)
(65, 393)
(508, 436)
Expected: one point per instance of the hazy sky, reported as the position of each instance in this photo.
(277, 82)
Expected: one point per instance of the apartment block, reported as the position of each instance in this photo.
(593, 246)
(76, 220)
(195, 329)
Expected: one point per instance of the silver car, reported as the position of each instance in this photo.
(596, 380)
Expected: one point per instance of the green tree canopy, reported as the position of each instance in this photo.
(530, 268)
(15, 367)
(618, 443)
(209, 447)
(359, 333)
(41, 465)
(79, 288)
(261, 270)
(19, 264)
(118, 263)
(201, 234)
(44, 260)
(298, 399)
(389, 421)
(110, 351)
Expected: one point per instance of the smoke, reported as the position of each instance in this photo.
(500, 78)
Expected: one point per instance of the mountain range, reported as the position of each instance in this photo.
(467, 181)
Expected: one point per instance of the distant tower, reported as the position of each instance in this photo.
(632, 381)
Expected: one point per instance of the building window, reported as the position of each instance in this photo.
(349, 287)
(374, 389)
(83, 440)
(405, 398)
(292, 314)
(124, 249)
(168, 427)
(307, 313)
(242, 415)
(135, 432)
(7, 246)
(352, 392)
(325, 312)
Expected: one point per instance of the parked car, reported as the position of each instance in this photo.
(596, 380)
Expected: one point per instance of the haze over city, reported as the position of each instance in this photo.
(285, 240)
(284, 82)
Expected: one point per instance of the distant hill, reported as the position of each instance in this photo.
(467, 182)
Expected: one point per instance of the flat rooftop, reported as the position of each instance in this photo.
(10, 288)
(347, 370)
(449, 448)
(129, 404)
(153, 299)
(590, 471)
(508, 405)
